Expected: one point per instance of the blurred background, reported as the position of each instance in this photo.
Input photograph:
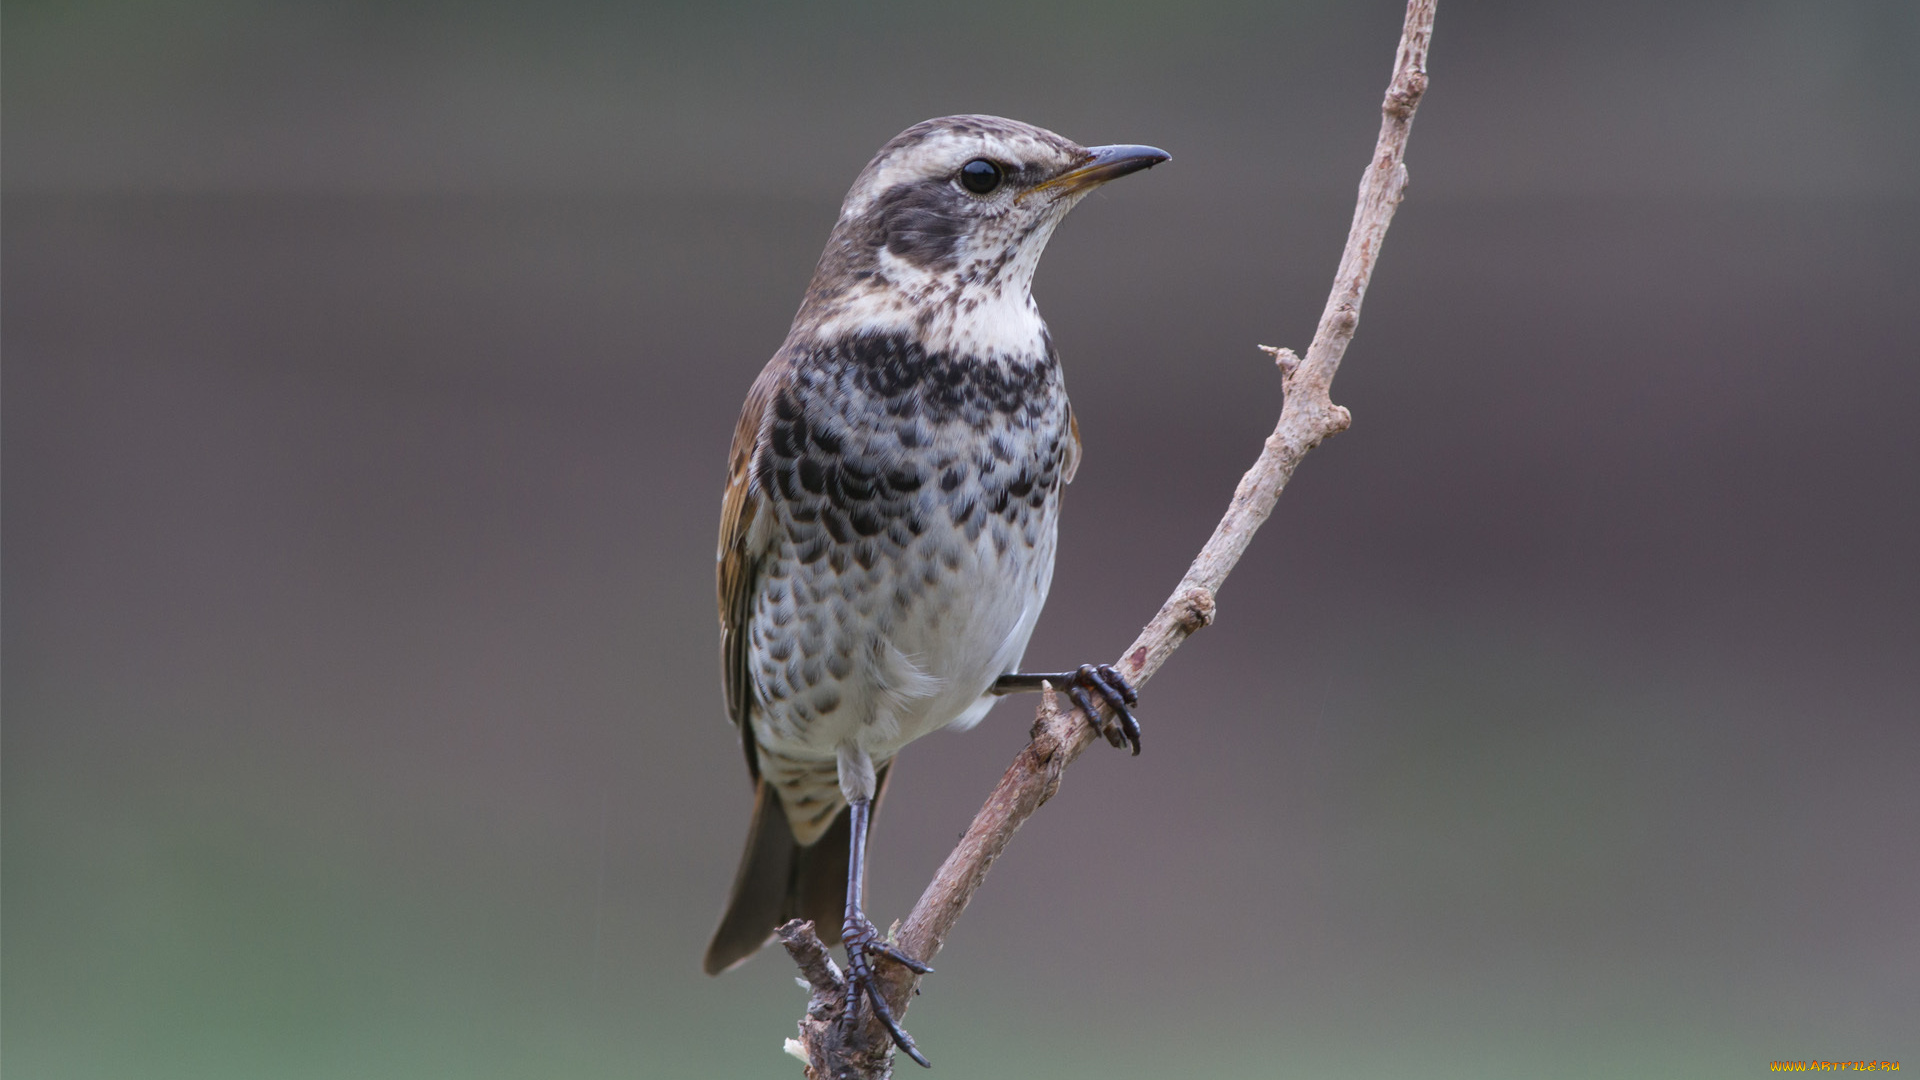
(369, 374)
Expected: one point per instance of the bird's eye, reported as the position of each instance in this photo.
(980, 176)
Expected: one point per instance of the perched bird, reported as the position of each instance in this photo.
(887, 534)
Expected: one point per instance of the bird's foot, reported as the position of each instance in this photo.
(1114, 688)
(1102, 679)
(863, 943)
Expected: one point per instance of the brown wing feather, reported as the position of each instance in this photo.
(739, 567)
(1072, 463)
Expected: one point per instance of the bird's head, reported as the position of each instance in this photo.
(942, 231)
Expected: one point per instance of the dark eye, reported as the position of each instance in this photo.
(980, 176)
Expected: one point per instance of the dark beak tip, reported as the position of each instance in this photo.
(1104, 163)
(1140, 157)
(1113, 162)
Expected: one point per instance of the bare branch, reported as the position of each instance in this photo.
(821, 974)
(1307, 418)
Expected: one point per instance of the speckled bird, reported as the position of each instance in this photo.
(887, 533)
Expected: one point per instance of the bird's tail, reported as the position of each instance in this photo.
(780, 880)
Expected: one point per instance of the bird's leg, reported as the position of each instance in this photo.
(1104, 680)
(862, 942)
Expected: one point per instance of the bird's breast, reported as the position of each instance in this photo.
(914, 496)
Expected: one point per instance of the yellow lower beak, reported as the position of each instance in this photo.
(1104, 163)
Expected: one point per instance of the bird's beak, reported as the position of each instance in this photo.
(1104, 163)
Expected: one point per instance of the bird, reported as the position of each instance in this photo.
(888, 528)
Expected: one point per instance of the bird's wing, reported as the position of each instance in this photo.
(1072, 463)
(739, 560)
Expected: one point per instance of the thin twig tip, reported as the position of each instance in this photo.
(1283, 356)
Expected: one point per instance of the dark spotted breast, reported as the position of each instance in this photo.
(875, 440)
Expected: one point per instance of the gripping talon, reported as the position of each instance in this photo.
(1085, 705)
(900, 958)
(1119, 693)
(1129, 726)
(863, 940)
(1112, 675)
(1113, 687)
(900, 1037)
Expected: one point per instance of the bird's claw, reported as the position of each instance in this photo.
(862, 941)
(1114, 689)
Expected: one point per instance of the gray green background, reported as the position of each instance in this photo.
(368, 377)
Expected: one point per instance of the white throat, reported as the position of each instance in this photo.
(981, 307)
